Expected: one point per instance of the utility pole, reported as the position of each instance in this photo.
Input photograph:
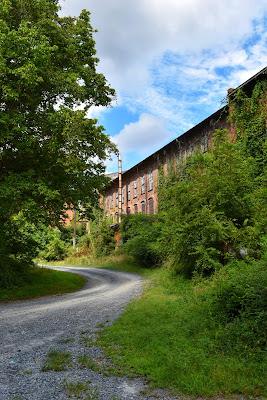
(74, 228)
(120, 188)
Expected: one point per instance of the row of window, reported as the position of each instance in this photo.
(143, 208)
(131, 189)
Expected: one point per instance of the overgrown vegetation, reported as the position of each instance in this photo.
(207, 307)
(57, 361)
(174, 336)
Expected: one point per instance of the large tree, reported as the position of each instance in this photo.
(51, 154)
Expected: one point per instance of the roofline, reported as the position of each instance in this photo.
(263, 71)
(204, 121)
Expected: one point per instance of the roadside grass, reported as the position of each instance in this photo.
(86, 361)
(117, 262)
(42, 282)
(81, 390)
(169, 336)
(57, 361)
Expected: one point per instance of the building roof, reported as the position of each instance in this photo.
(247, 86)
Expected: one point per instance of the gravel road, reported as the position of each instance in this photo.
(68, 323)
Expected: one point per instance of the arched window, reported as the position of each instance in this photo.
(136, 209)
(143, 207)
(143, 184)
(150, 180)
(128, 210)
(151, 205)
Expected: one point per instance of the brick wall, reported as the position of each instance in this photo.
(140, 183)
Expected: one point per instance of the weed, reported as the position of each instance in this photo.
(100, 325)
(81, 390)
(77, 389)
(27, 372)
(57, 361)
(87, 341)
(67, 340)
(86, 361)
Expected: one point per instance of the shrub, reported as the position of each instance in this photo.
(140, 235)
(55, 248)
(17, 249)
(238, 296)
(207, 209)
(99, 240)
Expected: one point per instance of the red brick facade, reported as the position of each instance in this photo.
(140, 183)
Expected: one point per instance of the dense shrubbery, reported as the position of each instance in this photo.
(99, 240)
(207, 206)
(238, 296)
(212, 223)
(101, 236)
(139, 235)
(54, 247)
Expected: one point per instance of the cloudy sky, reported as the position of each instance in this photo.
(171, 62)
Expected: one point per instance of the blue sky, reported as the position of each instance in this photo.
(171, 63)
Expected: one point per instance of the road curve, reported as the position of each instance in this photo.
(28, 329)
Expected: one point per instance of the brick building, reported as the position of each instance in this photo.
(140, 183)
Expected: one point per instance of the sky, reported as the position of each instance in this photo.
(171, 63)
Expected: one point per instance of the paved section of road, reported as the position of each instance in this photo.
(29, 329)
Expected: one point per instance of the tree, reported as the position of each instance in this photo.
(208, 208)
(51, 154)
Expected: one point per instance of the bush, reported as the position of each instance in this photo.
(238, 297)
(55, 248)
(17, 250)
(99, 240)
(140, 235)
(208, 211)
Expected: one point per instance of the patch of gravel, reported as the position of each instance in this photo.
(68, 323)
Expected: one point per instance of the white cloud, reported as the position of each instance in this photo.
(163, 57)
(133, 33)
(140, 138)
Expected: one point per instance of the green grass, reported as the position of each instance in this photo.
(81, 390)
(42, 282)
(57, 361)
(86, 361)
(114, 262)
(169, 336)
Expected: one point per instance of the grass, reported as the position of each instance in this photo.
(169, 336)
(57, 361)
(116, 262)
(86, 361)
(42, 282)
(81, 390)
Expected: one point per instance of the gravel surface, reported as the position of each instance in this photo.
(68, 323)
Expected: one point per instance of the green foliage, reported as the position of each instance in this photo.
(239, 302)
(101, 235)
(249, 115)
(42, 282)
(139, 234)
(99, 240)
(170, 336)
(207, 209)
(57, 361)
(50, 152)
(55, 248)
